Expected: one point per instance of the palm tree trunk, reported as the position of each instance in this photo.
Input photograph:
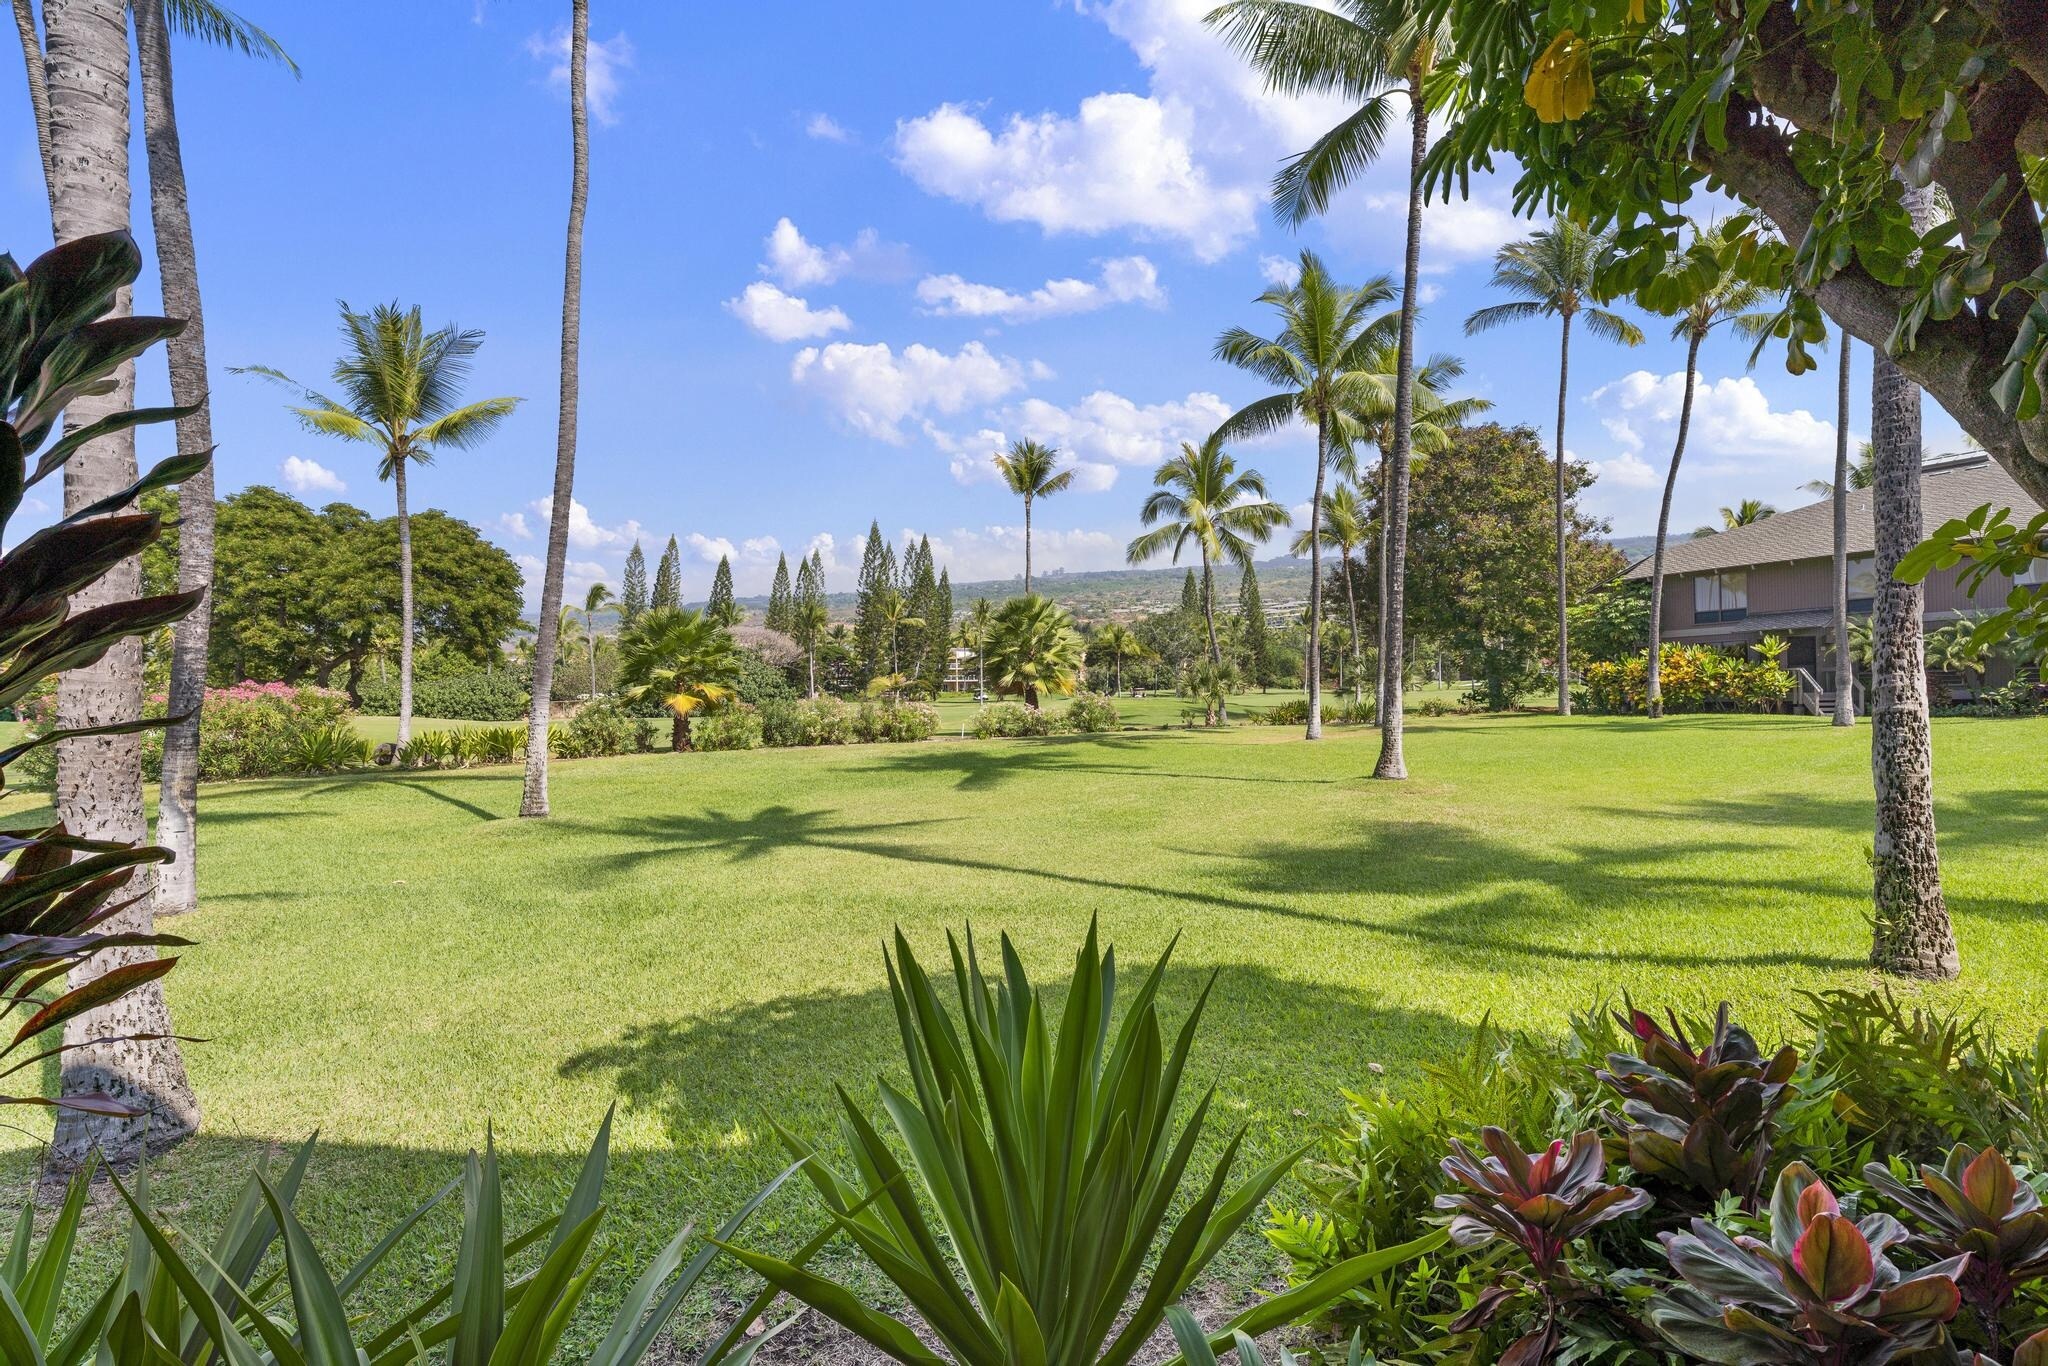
(1845, 668)
(533, 800)
(1564, 672)
(1117, 660)
(1027, 545)
(1215, 649)
(99, 780)
(177, 882)
(1393, 760)
(1351, 607)
(813, 654)
(405, 608)
(590, 640)
(1315, 583)
(1379, 682)
(679, 733)
(1912, 936)
(38, 89)
(1653, 694)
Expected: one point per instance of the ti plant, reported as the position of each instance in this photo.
(1697, 1121)
(1541, 1203)
(1819, 1292)
(1974, 1204)
(1051, 1170)
(59, 889)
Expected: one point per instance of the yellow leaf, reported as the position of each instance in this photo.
(1560, 85)
(1635, 11)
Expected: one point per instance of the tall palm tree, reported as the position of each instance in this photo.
(1748, 512)
(897, 614)
(533, 797)
(1728, 299)
(177, 882)
(1301, 48)
(1319, 363)
(974, 629)
(1028, 468)
(1553, 270)
(99, 779)
(594, 601)
(684, 659)
(1033, 645)
(1122, 643)
(1199, 495)
(808, 621)
(1857, 474)
(1343, 526)
(398, 385)
(1838, 494)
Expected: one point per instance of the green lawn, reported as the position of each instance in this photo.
(393, 960)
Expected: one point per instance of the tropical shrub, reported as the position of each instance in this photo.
(1691, 678)
(814, 721)
(733, 726)
(1294, 712)
(603, 727)
(1090, 713)
(1975, 1206)
(329, 749)
(1042, 1217)
(757, 679)
(477, 696)
(890, 720)
(1009, 720)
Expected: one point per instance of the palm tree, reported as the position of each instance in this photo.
(1844, 713)
(1342, 527)
(177, 882)
(98, 787)
(399, 384)
(1301, 48)
(1122, 643)
(895, 611)
(684, 658)
(533, 798)
(974, 629)
(1200, 496)
(1729, 298)
(1857, 475)
(1553, 272)
(1748, 512)
(1319, 364)
(1028, 469)
(808, 621)
(1033, 645)
(594, 601)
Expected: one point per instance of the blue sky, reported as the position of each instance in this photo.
(833, 260)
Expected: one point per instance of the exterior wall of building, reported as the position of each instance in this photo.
(1805, 586)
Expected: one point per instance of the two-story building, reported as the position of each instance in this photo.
(1776, 576)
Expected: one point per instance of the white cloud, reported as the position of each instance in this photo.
(584, 533)
(1732, 420)
(1462, 229)
(796, 261)
(1122, 162)
(759, 549)
(604, 60)
(577, 577)
(514, 524)
(784, 317)
(1279, 271)
(1428, 293)
(1626, 470)
(1106, 426)
(1123, 279)
(710, 549)
(997, 552)
(826, 549)
(827, 129)
(874, 389)
(309, 476)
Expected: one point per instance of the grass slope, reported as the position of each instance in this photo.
(393, 959)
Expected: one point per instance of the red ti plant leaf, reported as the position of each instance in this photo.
(1833, 1258)
(1930, 1297)
(2032, 1352)
(1815, 1201)
(1989, 1184)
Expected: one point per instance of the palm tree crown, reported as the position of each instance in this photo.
(1033, 646)
(1201, 496)
(1552, 272)
(1032, 471)
(683, 658)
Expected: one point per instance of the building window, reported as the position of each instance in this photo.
(1721, 597)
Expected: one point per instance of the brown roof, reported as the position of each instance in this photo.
(1949, 488)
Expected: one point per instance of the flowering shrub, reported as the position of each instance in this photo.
(252, 730)
(1090, 712)
(890, 721)
(1692, 678)
(1009, 719)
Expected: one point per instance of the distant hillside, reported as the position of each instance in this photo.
(1633, 548)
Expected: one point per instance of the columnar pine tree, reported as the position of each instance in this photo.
(877, 572)
(922, 590)
(721, 608)
(1251, 610)
(668, 578)
(939, 632)
(1191, 597)
(633, 594)
(779, 600)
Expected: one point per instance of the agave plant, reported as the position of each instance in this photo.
(1049, 1169)
(1819, 1292)
(328, 749)
(1974, 1204)
(1698, 1120)
(59, 889)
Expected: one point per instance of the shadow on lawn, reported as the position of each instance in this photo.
(980, 766)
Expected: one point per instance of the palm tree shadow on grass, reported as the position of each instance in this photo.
(977, 767)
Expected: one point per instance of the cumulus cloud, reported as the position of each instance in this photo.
(874, 389)
(605, 60)
(796, 261)
(1279, 271)
(1122, 162)
(584, 533)
(1107, 427)
(304, 476)
(577, 577)
(1627, 470)
(1461, 229)
(827, 129)
(1123, 280)
(759, 549)
(514, 524)
(710, 549)
(1732, 420)
(784, 317)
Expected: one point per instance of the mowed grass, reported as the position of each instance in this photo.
(396, 961)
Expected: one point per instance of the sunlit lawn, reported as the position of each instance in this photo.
(393, 960)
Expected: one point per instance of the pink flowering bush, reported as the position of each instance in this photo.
(250, 730)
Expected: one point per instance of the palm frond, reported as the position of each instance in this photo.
(468, 425)
(1305, 185)
(222, 27)
(1612, 327)
(1500, 315)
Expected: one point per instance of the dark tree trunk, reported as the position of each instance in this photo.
(1393, 760)
(1653, 695)
(1209, 615)
(1845, 667)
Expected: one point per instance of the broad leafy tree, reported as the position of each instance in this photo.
(1031, 470)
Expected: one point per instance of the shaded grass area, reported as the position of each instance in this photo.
(394, 959)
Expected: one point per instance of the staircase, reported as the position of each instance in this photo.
(1810, 697)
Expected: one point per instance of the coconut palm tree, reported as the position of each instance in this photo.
(1319, 362)
(533, 798)
(1028, 468)
(1553, 270)
(682, 657)
(1365, 52)
(1121, 643)
(1199, 496)
(1727, 299)
(594, 601)
(1854, 475)
(1033, 646)
(398, 386)
(895, 611)
(1748, 512)
(974, 629)
(1343, 526)
(808, 622)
